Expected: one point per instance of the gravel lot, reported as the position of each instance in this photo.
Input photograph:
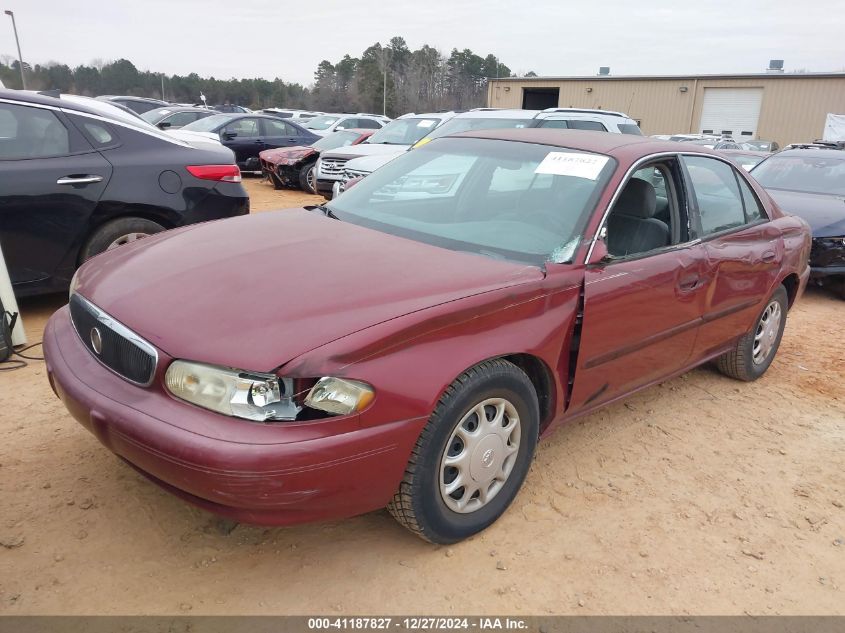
(699, 496)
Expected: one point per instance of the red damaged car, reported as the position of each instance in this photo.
(294, 166)
(406, 344)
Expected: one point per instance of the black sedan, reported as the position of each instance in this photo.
(77, 180)
(175, 117)
(810, 183)
(248, 134)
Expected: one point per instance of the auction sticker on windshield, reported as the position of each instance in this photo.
(572, 164)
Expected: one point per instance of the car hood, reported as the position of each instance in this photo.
(369, 164)
(287, 155)
(257, 291)
(824, 213)
(366, 149)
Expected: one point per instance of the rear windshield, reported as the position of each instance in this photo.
(630, 128)
(466, 124)
(209, 123)
(404, 131)
(333, 141)
(321, 122)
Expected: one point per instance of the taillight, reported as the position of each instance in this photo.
(223, 173)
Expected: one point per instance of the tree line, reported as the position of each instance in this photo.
(391, 75)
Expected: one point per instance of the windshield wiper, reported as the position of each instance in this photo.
(328, 212)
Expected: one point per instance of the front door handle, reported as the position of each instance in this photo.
(768, 257)
(79, 180)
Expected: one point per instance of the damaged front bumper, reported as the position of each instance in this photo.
(827, 257)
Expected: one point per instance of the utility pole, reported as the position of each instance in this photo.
(18, 42)
(384, 82)
(162, 87)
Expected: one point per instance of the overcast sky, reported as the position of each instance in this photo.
(270, 38)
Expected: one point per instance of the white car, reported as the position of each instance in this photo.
(299, 116)
(394, 138)
(325, 124)
(494, 118)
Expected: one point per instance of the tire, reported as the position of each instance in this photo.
(420, 504)
(120, 230)
(741, 362)
(307, 178)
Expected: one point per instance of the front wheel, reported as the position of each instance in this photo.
(473, 455)
(754, 352)
(308, 178)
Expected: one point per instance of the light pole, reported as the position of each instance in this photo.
(18, 42)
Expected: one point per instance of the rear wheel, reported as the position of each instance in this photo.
(473, 455)
(755, 351)
(308, 178)
(117, 233)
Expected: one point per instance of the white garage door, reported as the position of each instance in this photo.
(731, 111)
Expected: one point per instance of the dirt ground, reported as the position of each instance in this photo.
(699, 496)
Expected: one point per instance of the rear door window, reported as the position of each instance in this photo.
(27, 132)
(716, 193)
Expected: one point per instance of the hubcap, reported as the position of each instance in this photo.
(125, 239)
(767, 332)
(480, 455)
(310, 178)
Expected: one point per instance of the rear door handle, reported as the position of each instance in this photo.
(79, 180)
(689, 283)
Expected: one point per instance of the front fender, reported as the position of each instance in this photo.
(412, 359)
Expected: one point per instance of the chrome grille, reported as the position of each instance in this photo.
(349, 174)
(112, 343)
(332, 166)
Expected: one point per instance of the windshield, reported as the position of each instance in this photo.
(803, 173)
(333, 141)
(403, 131)
(461, 124)
(209, 123)
(507, 200)
(153, 116)
(321, 122)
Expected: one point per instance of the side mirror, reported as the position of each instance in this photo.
(164, 125)
(228, 136)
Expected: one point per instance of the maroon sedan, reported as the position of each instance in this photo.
(407, 344)
(294, 166)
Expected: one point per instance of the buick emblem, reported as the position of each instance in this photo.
(487, 458)
(96, 341)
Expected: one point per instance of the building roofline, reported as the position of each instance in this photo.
(813, 75)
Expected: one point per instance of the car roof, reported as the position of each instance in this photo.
(147, 99)
(184, 109)
(812, 152)
(26, 96)
(744, 152)
(586, 140)
(496, 113)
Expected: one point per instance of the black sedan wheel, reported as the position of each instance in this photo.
(472, 456)
(116, 233)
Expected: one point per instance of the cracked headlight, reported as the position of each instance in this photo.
(339, 396)
(241, 394)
